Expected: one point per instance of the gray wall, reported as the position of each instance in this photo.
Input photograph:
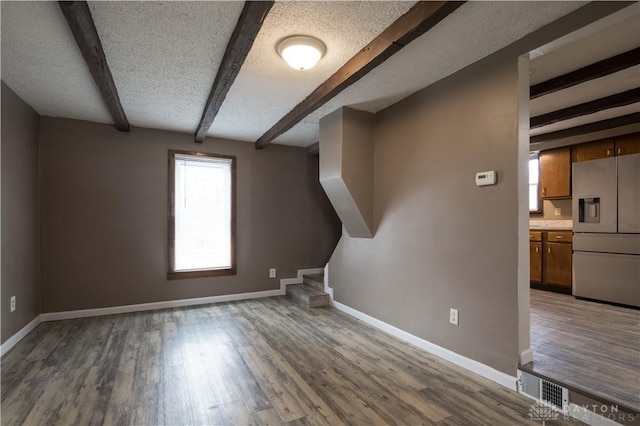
(346, 167)
(441, 242)
(104, 216)
(20, 217)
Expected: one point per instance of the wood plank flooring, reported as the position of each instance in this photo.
(263, 362)
(591, 346)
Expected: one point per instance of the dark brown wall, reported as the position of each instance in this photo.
(104, 216)
(20, 218)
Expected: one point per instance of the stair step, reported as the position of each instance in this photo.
(314, 280)
(307, 296)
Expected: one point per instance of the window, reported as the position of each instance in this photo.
(201, 215)
(534, 178)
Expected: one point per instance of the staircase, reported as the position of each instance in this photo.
(310, 293)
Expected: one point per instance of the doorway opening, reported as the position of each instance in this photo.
(584, 254)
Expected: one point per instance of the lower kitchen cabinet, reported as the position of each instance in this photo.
(550, 256)
(557, 264)
(535, 261)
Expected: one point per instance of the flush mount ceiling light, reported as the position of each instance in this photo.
(301, 52)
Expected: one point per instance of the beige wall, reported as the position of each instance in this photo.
(104, 216)
(20, 219)
(549, 207)
(441, 242)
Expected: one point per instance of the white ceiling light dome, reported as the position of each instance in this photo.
(301, 52)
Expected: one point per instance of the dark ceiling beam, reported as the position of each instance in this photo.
(590, 72)
(613, 101)
(244, 34)
(313, 149)
(84, 31)
(598, 126)
(423, 16)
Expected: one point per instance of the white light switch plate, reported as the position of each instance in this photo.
(453, 316)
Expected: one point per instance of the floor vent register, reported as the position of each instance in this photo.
(543, 390)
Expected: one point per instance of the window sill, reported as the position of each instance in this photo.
(179, 275)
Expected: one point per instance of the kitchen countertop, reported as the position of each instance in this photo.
(555, 225)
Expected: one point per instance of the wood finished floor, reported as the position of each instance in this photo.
(251, 362)
(589, 345)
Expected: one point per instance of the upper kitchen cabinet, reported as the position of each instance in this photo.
(629, 144)
(594, 150)
(555, 173)
(621, 145)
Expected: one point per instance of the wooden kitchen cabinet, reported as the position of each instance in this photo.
(557, 263)
(620, 145)
(550, 260)
(629, 144)
(594, 150)
(555, 173)
(535, 261)
(559, 237)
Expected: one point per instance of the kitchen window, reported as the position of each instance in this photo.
(535, 205)
(201, 215)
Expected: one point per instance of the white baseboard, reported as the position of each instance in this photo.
(11, 341)
(83, 313)
(526, 356)
(462, 361)
(327, 289)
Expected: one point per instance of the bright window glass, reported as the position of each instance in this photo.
(203, 212)
(534, 175)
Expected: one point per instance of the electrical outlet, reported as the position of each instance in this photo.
(13, 303)
(453, 316)
(558, 211)
(272, 273)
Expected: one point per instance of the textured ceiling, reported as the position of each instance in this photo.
(164, 57)
(589, 118)
(41, 62)
(590, 90)
(615, 34)
(472, 32)
(267, 88)
(620, 35)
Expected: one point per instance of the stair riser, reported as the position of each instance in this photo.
(319, 301)
(310, 302)
(305, 300)
(297, 298)
(313, 283)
